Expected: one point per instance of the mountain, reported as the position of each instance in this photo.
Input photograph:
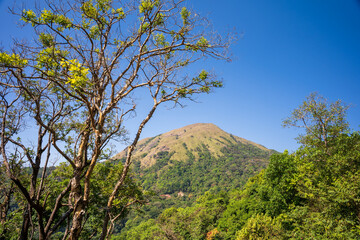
(181, 165)
(195, 159)
(180, 142)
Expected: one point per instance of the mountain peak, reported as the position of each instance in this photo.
(197, 127)
(190, 138)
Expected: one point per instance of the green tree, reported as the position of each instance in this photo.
(147, 230)
(327, 167)
(243, 204)
(77, 82)
(312, 193)
(323, 121)
(279, 188)
(329, 188)
(196, 221)
(260, 227)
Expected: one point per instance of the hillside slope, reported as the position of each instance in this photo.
(195, 159)
(181, 141)
(181, 165)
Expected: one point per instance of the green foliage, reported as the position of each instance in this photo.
(203, 43)
(227, 172)
(203, 75)
(160, 40)
(105, 177)
(89, 10)
(242, 205)
(159, 19)
(28, 16)
(11, 61)
(146, 230)
(144, 27)
(47, 40)
(323, 121)
(185, 14)
(260, 226)
(48, 60)
(311, 201)
(12, 205)
(193, 178)
(194, 222)
(103, 5)
(94, 32)
(120, 12)
(204, 79)
(146, 6)
(329, 186)
(280, 184)
(47, 17)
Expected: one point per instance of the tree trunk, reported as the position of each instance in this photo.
(25, 224)
(79, 206)
(4, 207)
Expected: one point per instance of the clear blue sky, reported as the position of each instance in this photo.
(289, 49)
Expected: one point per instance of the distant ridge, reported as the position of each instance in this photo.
(180, 142)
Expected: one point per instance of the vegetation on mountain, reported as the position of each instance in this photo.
(204, 168)
(192, 141)
(213, 159)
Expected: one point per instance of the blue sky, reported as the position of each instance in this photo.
(288, 49)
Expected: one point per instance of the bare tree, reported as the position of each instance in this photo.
(79, 81)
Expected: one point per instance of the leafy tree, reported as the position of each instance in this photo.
(327, 164)
(196, 221)
(146, 230)
(77, 83)
(330, 190)
(280, 184)
(260, 227)
(310, 194)
(243, 204)
(323, 121)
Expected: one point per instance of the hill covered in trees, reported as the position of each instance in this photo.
(196, 158)
(179, 166)
(309, 194)
(188, 140)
